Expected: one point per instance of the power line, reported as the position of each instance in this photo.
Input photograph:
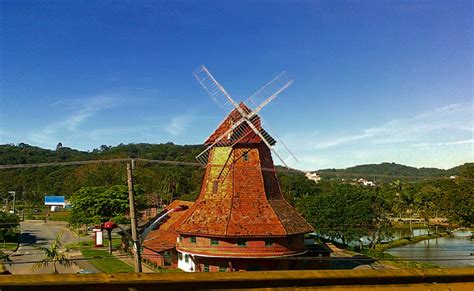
(151, 161)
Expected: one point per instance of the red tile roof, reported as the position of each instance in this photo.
(164, 237)
(248, 201)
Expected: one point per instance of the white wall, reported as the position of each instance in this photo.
(183, 265)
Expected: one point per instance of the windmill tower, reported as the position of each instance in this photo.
(240, 221)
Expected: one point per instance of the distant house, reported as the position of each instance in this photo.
(365, 182)
(313, 176)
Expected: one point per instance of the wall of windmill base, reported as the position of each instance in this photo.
(205, 264)
(165, 259)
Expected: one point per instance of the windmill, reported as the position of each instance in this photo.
(249, 122)
(240, 199)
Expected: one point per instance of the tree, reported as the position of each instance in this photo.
(100, 204)
(344, 212)
(380, 223)
(457, 201)
(427, 198)
(9, 228)
(54, 255)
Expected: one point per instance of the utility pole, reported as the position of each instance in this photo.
(133, 219)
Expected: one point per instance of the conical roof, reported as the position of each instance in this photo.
(243, 130)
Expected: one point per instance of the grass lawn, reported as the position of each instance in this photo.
(406, 241)
(8, 246)
(394, 261)
(105, 262)
(116, 242)
(388, 259)
(59, 216)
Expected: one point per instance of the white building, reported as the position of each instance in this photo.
(365, 182)
(313, 176)
(186, 262)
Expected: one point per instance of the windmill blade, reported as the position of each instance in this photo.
(256, 102)
(214, 89)
(229, 138)
(276, 145)
(269, 92)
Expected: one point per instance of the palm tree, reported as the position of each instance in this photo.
(54, 255)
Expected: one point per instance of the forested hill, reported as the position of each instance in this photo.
(33, 183)
(26, 154)
(393, 170)
(169, 181)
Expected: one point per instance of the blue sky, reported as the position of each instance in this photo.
(375, 81)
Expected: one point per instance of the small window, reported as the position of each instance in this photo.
(214, 242)
(246, 156)
(206, 267)
(214, 187)
(192, 239)
(180, 256)
(241, 242)
(181, 238)
(268, 242)
(186, 258)
(222, 269)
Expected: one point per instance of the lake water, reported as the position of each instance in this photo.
(452, 252)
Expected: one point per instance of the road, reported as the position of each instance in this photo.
(36, 233)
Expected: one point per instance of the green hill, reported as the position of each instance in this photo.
(168, 181)
(390, 171)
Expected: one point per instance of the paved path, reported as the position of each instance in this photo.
(36, 233)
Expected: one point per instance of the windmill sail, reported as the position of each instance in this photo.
(248, 122)
(281, 150)
(269, 92)
(214, 89)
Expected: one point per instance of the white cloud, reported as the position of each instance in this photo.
(178, 124)
(83, 109)
(459, 142)
(447, 119)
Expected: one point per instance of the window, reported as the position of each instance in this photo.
(181, 238)
(268, 242)
(167, 258)
(214, 242)
(214, 187)
(206, 267)
(192, 239)
(186, 258)
(222, 269)
(241, 242)
(180, 256)
(246, 156)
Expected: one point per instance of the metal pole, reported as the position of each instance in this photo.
(14, 202)
(133, 220)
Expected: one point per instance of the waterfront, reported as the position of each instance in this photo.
(450, 252)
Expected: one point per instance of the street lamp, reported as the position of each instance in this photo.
(154, 223)
(148, 230)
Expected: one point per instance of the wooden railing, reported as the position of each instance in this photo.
(434, 279)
